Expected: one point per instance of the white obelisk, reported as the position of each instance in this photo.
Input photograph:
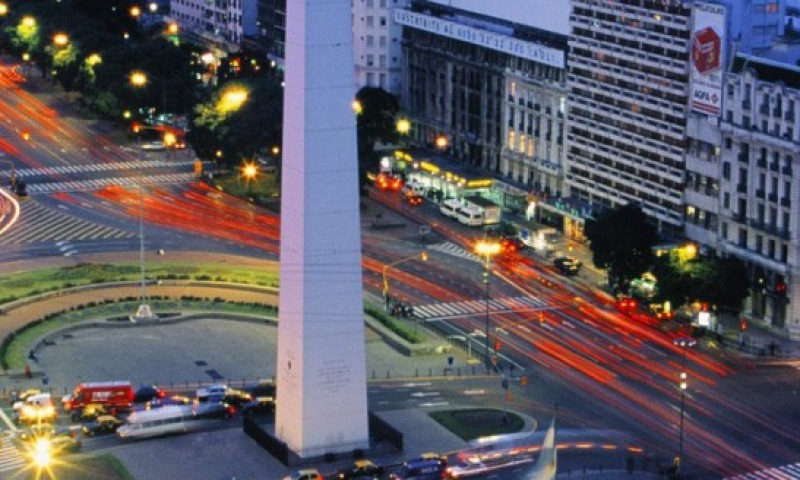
(321, 364)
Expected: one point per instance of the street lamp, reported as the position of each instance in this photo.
(683, 343)
(422, 256)
(249, 172)
(487, 249)
(403, 126)
(144, 312)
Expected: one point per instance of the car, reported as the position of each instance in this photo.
(306, 474)
(21, 395)
(162, 402)
(237, 398)
(102, 424)
(361, 469)
(145, 393)
(568, 265)
(64, 444)
(259, 405)
(45, 430)
(414, 199)
(262, 389)
(89, 412)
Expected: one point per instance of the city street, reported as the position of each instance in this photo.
(606, 370)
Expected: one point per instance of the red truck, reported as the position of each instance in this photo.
(117, 395)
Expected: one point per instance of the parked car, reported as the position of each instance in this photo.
(145, 393)
(568, 265)
(162, 402)
(237, 398)
(307, 474)
(259, 405)
(361, 469)
(64, 444)
(89, 412)
(21, 395)
(103, 424)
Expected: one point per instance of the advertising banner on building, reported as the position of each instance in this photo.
(708, 58)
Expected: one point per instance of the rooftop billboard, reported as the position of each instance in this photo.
(549, 15)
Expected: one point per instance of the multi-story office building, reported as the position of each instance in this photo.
(218, 23)
(628, 83)
(742, 194)
(377, 44)
(491, 82)
(376, 40)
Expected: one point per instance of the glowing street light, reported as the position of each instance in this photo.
(403, 126)
(3, 9)
(683, 343)
(135, 11)
(60, 39)
(422, 256)
(153, 7)
(357, 107)
(487, 249)
(144, 312)
(29, 22)
(232, 99)
(442, 142)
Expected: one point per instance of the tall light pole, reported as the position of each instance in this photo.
(487, 249)
(683, 343)
(144, 312)
(422, 256)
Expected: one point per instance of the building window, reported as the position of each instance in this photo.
(370, 41)
(370, 21)
(726, 200)
(370, 60)
(383, 21)
(726, 170)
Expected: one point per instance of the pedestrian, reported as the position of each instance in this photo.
(27, 370)
(772, 347)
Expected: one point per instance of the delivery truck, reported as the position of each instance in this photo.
(118, 395)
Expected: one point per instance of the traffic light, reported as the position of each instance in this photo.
(497, 345)
(523, 380)
(743, 325)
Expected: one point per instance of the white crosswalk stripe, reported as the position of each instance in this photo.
(97, 167)
(85, 185)
(786, 472)
(455, 250)
(475, 307)
(41, 224)
(10, 457)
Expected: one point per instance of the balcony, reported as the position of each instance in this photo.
(760, 193)
(753, 223)
(774, 166)
(741, 188)
(746, 103)
(773, 197)
(740, 218)
(787, 171)
(777, 112)
(789, 116)
(786, 202)
(744, 157)
(762, 163)
(764, 109)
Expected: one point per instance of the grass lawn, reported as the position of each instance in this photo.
(264, 185)
(23, 284)
(469, 424)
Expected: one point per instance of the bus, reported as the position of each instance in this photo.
(159, 421)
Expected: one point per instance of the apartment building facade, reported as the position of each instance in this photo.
(742, 194)
(221, 24)
(495, 89)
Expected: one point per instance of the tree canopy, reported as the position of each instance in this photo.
(622, 242)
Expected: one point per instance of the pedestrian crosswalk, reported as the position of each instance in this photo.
(10, 457)
(97, 167)
(455, 250)
(467, 308)
(38, 223)
(786, 472)
(99, 183)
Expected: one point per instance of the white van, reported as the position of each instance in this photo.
(413, 188)
(448, 208)
(470, 216)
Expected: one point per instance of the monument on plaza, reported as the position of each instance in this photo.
(321, 362)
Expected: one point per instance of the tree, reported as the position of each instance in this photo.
(622, 242)
(375, 122)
